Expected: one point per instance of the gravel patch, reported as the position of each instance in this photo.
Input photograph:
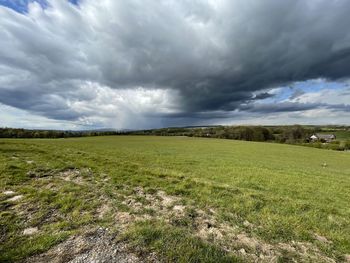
(96, 246)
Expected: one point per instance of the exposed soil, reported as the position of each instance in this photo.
(94, 246)
(75, 175)
(205, 225)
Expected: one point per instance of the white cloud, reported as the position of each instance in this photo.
(327, 96)
(130, 64)
(130, 108)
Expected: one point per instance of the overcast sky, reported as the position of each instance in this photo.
(145, 63)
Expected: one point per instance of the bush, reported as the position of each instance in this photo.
(347, 145)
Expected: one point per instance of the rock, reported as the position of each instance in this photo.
(15, 198)
(242, 251)
(8, 192)
(30, 231)
(347, 258)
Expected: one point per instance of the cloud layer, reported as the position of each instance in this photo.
(152, 63)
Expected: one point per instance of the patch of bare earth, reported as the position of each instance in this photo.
(94, 246)
(206, 226)
(75, 175)
(103, 210)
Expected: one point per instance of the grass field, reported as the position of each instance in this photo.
(185, 199)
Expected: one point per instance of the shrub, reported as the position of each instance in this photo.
(347, 145)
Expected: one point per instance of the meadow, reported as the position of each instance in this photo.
(180, 199)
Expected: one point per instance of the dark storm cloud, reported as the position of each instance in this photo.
(263, 95)
(279, 107)
(291, 107)
(340, 107)
(216, 55)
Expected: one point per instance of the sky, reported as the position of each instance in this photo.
(139, 64)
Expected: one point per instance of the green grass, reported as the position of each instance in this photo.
(175, 244)
(283, 190)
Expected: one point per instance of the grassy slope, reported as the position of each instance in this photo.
(282, 189)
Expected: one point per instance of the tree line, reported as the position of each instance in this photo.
(24, 133)
(283, 134)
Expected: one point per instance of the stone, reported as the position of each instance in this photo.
(30, 231)
(8, 192)
(15, 198)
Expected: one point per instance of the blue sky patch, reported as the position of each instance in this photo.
(286, 92)
(21, 6)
